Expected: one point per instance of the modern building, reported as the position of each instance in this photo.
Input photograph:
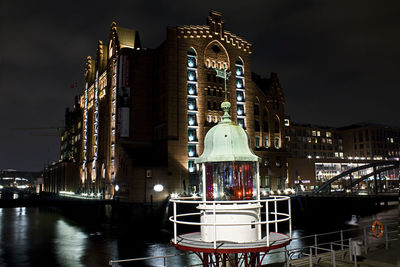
(312, 141)
(318, 153)
(371, 141)
(144, 113)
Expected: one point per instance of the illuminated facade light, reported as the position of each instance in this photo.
(158, 187)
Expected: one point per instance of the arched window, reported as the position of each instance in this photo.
(192, 90)
(240, 91)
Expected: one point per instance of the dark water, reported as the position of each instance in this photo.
(34, 236)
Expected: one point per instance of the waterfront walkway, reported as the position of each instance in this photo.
(376, 257)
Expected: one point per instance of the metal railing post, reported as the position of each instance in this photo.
(175, 227)
(341, 239)
(365, 241)
(290, 219)
(355, 260)
(286, 257)
(315, 244)
(310, 257)
(267, 220)
(333, 256)
(165, 262)
(276, 214)
(215, 227)
(351, 259)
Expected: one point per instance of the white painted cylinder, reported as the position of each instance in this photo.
(230, 214)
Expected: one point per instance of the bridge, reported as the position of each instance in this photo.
(348, 182)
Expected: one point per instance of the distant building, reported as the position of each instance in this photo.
(318, 153)
(371, 141)
(312, 141)
(143, 114)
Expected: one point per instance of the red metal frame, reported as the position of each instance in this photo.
(213, 257)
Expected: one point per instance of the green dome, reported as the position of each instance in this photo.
(226, 141)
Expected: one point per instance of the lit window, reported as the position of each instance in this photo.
(239, 70)
(191, 166)
(192, 135)
(266, 142)
(239, 83)
(314, 133)
(240, 96)
(191, 75)
(277, 142)
(191, 104)
(287, 122)
(192, 120)
(240, 110)
(241, 122)
(328, 134)
(191, 62)
(191, 88)
(192, 151)
(257, 141)
(318, 133)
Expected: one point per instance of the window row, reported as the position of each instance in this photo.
(266, 143)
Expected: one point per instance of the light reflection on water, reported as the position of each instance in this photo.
(70, 244)
(39, 237)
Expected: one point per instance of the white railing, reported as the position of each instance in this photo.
(278, 217)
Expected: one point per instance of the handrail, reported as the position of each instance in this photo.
(216, 206)
(299, 250)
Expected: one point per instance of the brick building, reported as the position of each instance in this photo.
(145, 112)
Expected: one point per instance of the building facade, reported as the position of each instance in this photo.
(318, 153)
(371, 141)
(144, 113)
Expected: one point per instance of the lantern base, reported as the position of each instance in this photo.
(193, 242)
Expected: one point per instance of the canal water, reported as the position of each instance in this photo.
(37, 236)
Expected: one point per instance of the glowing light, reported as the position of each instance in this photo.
(239, 112)
(117, 188)
(158, 187)
(191, 153)
(191, 106)
(174, 195)
(191, 77)
(191, 169)
(66, 193)
(191, 121)
(239, 98)
(238, 84)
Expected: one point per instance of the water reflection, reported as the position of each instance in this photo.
(70, 244)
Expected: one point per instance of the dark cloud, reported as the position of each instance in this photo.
(337, 60)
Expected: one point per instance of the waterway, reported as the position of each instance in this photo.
(38, 236)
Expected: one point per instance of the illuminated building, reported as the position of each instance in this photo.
(145, 112)
(312, 141)
(371, 141)
(318, 153)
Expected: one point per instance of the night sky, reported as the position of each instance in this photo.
(338, 61)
